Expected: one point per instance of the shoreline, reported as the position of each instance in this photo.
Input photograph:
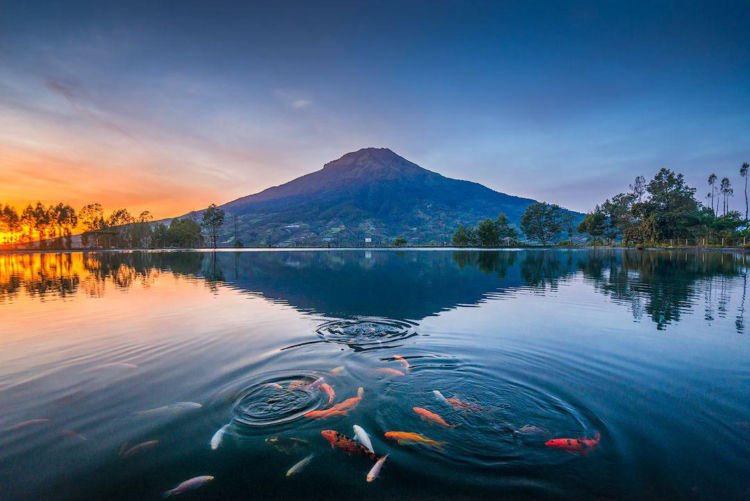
(378, 249)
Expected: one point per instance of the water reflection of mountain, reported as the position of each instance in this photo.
(403, 285)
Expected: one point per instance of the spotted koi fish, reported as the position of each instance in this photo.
(346, 444)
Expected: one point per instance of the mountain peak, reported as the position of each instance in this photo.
(372, 160)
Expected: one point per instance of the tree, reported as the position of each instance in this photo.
(743, 173)
(712, 183)
(400, 241)
(639, 188)
(184, 233)
(726, 191)
(10, 221)
(595, 223)
(487, 233)
(463, 236)
(542, 222)
(505, 231)
(213, 220)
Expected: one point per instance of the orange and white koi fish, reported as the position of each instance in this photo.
(575, 445)
(340, 409)
(346, 444)
(126, 452)
(407, 437)
(328, 390)
(431, 417)
(189, 485)
(403, 361)
(375, 471)
(390, 372)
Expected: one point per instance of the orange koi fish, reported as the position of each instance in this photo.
(340, 409)
(432, 417)
(575, 445)
(407, 437)
(328, 390)
(346, 444)
(403, 361)
(390, 372)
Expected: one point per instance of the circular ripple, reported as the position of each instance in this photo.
(366, 333)
(277, 400)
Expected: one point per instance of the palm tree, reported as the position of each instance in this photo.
(711, 182)
(727, 191)
(743, 173)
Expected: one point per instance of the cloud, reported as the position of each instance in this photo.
(292, 99)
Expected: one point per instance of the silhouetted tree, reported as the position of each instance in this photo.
(712, 183)
(743, 173)
(213, 220)
(726, 191)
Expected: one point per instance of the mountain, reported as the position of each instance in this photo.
(371, 193)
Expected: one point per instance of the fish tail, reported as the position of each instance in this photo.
(167, 494)
(360, 392)
(454, 426)
(597, 436)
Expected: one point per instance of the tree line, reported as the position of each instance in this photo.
(53, 227)
(666, 210)
(541, 222)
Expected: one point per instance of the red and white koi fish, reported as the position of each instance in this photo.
(431, 417)
(189, 485)
(328, 390)
(340, 409)
(346, 444)
(575, 445)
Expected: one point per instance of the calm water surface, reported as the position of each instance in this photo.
(101, 352)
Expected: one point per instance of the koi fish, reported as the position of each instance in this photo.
(431, 417)
(390, 372)
(529, 429)
(440, 397)
(287, 445)
(328, 390)
(460, 405)
(575, 445)
(219, 436)
(340, 409)
(346, 444)
(170, 409)
(26, 424)
(298, 467)
(403, 361)
(74, 434)
(126, 452)
(337, 371)
(361, 435)
(407, 437)
(375, 471)
(189, 485)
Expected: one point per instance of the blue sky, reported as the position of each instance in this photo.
(173, 105)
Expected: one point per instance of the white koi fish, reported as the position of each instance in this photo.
(440, 397)
(361, 435)
(375, 471)
(299, 466)
(169, 409)
(219, 436)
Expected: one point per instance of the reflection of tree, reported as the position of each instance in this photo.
(668, 283)
(401, 285)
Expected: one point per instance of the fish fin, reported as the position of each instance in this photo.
(167, 494)
(454, 426)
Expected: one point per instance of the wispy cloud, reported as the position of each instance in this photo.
(293, 100)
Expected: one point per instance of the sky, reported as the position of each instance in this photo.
(170, 106)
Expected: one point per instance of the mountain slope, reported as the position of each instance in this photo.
(371, 193)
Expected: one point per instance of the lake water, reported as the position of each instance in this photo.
(649, 349)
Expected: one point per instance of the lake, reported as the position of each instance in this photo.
(118, 368)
